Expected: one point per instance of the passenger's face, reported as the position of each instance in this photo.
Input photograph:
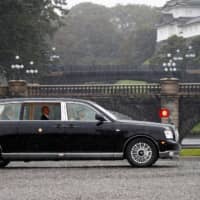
(9, 113)
(81, 114)
(46, 111)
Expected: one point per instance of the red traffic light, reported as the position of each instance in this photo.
(164, 113)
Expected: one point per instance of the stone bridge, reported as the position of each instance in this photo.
(141, 102)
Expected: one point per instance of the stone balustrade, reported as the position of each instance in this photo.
(96, 90)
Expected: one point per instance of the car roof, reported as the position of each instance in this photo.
(21, 100)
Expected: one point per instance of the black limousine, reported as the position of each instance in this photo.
(34, 129)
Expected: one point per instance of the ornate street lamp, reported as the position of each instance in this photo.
(178, 56)
(187, 59)
(54, 57)
(190, 53)
(17, 67)
(32, 72)
(170, 65)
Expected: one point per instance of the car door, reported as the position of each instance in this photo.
(41, 135)
(83, 133)
(9, 126)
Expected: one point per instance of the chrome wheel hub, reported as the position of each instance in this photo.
(141, 153)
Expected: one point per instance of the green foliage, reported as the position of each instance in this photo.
(129, 82)
(196, 129)
(96, 35)
(174, 43)
(196, 46)
(169, 46)
(190, 152)
(143, 17)
(25, 28)
(139, 46)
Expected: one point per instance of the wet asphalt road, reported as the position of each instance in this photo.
(167, 180)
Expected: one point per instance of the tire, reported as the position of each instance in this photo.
(3, 163)
(141, 152)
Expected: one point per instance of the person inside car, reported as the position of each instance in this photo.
(81, 115)
(45, 113)
(7, 114)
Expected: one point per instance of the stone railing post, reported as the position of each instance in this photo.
(17, 88)
(170, 99)
(3, 91)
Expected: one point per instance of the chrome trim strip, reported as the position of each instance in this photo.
(31, 101)
(61, 155)
(64, 115)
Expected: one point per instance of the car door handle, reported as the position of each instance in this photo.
(72, 126)
(65, 126)
(58, 126)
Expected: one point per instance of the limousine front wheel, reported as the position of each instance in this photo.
(3, 163)
(141, 152)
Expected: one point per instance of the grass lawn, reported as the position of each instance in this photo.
(196, 129)
(127, 82)
(190, 152)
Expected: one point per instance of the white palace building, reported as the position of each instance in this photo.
(180, 18)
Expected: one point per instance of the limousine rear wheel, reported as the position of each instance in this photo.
(141, 152)
(3, 163)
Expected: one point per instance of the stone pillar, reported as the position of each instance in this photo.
(3, 91)
(18, 88)
(170, 99)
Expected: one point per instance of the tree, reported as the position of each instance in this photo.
(97, 35)
(25, 27)
(169, 46)
(139, 47)
(196, 48)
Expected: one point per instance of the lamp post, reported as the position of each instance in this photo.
(2, 75)
(54, 57)
(187, 58)
(170, 65)
(17, 67)
(178, 59)
(32, 71)
(190, 53)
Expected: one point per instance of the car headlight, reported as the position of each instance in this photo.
(176, 135)
(168, 134)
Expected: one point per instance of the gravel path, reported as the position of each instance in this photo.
(167, 180)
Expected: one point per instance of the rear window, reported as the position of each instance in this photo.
(36, 111)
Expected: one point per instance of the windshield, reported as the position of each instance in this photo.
(121, 116)
(108, 113)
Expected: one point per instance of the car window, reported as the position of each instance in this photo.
(10, 111)
(36, 111)
(80, 112)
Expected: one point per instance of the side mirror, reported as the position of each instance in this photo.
(100, 118)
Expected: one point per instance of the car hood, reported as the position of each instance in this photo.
(148, 124)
